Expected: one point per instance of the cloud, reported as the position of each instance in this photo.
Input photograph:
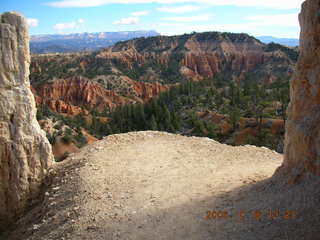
(132, 20)
(80, 21)
(141, 13)
(32, 22)
(68, 25)
(127, 21)
(287, 20)
(274, 4)
(178, 9)
(188, 19)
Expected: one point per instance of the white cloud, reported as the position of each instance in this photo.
(275, 4)
(68, 25)
(141, 13)
(32, 22)
(132, 20)
(178, 9)
(287, 20)
(127, 21)
(80, 20)
(188, 19)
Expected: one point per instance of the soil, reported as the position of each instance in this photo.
(155, 185)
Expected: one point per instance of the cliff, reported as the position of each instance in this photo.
(25, 153)
(138, 70)
(204, 55)
(76, 94)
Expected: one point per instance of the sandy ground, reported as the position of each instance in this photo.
(152, 185)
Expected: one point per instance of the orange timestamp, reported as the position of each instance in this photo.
(256, 214)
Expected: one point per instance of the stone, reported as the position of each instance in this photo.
(302, 140)
(68, 96)
(25, 153)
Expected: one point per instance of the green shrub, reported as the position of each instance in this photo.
(67, 139)
(63, 157)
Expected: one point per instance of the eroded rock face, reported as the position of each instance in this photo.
(302, 148)
(204, 55)
(25, 152)
(69, 96)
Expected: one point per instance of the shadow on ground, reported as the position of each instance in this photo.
(298, 217)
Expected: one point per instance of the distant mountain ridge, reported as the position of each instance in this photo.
(139, 69)
(291, 42)
(51, 43)
(196, 77)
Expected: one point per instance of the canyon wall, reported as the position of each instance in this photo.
(204, 55)
(302, 147)
(25, 152)
(71, 96)
(140, 69)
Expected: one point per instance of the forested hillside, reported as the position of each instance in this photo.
(227, 86)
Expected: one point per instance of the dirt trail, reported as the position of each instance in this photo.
(152, 185)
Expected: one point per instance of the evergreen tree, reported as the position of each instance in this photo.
(176, 122)
(211, 128)
(166, 117)
(234, 114)
(153, 124)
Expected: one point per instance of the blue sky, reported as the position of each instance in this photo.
(277, 18)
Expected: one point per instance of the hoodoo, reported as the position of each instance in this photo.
(25, 152)
(302, 148)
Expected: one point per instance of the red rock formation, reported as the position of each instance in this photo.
(201, 59)
(146, 91)
(70, 96)
(302, 155)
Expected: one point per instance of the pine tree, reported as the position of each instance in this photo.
(211, 128)
(109, 130)
(234, 114)
(166, 117)
(176, 121)
(153, 124)
(199, 127)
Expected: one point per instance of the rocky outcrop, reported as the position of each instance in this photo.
(140, 69)
(25, 152)
(146, 91)
(204, 55)
(302, 155)
(69, 96)
(65, 96)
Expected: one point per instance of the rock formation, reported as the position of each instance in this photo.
(25, 152)
(139, 69)
(69, 96)
(302, 148)
(204, 55)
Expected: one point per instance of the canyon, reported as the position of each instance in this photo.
(74, 95)
(157, 185)
(137, 70)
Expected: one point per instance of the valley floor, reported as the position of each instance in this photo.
(153, 185)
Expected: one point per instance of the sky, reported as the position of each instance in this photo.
(278, 18)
